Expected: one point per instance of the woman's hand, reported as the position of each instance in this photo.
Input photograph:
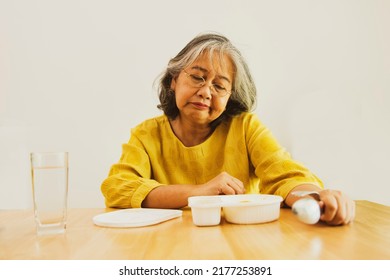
(224, 183)
(336, 207)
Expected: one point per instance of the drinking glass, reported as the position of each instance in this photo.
(49, 173)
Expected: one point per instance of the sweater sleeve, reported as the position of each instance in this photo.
(277, 171)
(129, 181)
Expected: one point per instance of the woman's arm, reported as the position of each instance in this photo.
(281, 175)
(176, 196)
(291, 198)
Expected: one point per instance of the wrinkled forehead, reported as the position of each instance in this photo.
(216, 61)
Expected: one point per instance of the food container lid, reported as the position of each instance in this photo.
(135, 217)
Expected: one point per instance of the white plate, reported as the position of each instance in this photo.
(135, 217)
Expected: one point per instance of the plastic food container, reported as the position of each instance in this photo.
(237, 209)
(206, 210)
(251, 209)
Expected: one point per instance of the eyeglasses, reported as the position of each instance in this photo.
(198, 82)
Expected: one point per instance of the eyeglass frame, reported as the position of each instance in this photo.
(202, 84)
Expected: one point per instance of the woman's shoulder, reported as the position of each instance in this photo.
(245, 119)
(150, 124)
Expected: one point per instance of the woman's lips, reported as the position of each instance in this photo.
(200, 105)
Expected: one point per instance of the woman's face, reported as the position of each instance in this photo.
(201, 105)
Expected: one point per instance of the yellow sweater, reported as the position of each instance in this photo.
(243, 147)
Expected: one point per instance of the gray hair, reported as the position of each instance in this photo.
(243, 97)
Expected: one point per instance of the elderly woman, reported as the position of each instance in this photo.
(208, 143)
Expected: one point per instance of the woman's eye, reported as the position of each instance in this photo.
(219, 87)
(197, 78)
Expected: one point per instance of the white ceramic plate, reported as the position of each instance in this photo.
(135, 217)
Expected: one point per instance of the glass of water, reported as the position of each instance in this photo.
(49, 173)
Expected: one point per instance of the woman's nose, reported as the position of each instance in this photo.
(205, 91)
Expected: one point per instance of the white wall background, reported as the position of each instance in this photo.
(76, 75)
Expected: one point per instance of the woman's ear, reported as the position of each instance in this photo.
(173, 83)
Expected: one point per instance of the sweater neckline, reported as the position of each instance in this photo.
(199, 146)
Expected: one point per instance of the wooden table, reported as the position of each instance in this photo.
(368, 237)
